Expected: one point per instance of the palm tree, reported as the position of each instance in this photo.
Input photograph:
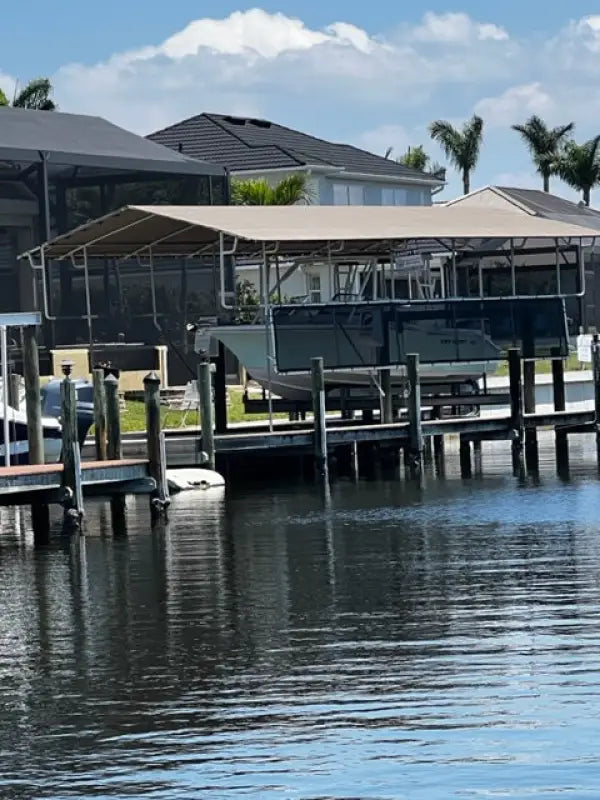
(544, 144)
(35, 95)
(416, 158)
(462, 147)
(579, 166)
(259, 192)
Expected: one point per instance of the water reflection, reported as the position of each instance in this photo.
(389, 643)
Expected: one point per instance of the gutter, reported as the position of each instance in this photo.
(340, 172)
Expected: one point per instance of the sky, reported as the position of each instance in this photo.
(371, 73)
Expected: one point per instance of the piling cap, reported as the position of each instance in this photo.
(110, 378)
(152, 377)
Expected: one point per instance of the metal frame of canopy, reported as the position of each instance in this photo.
(375, 235)
(11, 320)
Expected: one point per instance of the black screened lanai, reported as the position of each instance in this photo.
(58, 171)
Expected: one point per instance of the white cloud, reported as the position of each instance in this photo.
(514, 104)
(380, 139)
(457, 28)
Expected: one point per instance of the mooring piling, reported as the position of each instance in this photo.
(531, 442)
(40, 513)
(14, 390)
(113, 419)
(516, 409)
(319, 418)
(466, 470)
(99, 414)
(387, 407)
(71, 477)
(155, 444)
(415, 447)
(206, 412)
(561, 440)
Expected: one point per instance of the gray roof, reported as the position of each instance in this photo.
(241, 143)
(77, 140)
(550, 206)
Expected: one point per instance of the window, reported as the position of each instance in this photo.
(313, 285)
(348, 194)
(394, 197)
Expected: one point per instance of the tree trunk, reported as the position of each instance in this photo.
(546, 181)
(466, 182)
(587, 195)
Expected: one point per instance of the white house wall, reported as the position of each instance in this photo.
(295, 286)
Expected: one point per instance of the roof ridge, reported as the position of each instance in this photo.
(247, 144)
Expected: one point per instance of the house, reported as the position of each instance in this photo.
(337, 174)
(586, 310)
(60, 170)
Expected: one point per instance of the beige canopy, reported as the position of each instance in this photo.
(293, 230)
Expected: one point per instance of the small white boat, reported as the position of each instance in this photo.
(194, 479)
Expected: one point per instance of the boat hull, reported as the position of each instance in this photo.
(249, 344)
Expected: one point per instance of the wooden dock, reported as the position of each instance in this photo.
(44, 483)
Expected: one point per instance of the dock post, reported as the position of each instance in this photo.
(477, 458)
(113, 419)
(14, 390)
(387, 409)
(354, 463)
(155, 444)
(220, 391)
(516, 409)
(531, 442)
(466, 470)
(561, 440)
(99, 414)
(438, 443)
(596, 372)
(206, 412)
(415, 448)
(40, 513)
(73, 504)
(320, 427)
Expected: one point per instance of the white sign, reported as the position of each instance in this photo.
(584, 348)
(409, 263)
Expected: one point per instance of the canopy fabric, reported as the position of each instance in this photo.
(185, 230)
(75, 140)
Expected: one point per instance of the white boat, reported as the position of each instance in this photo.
(19, 445)
(433, 342)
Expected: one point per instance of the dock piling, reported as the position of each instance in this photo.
(320, 427)
(73, 502)
(516, 409)
(387, 408)
(155, 444)
(113, 419)
(14, 390)
(531, 442)
(466, 470)
(561, 441)
(40, 512)
(206, 412)
(415, 447)
(99, 414)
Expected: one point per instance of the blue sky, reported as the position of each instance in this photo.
(376, 78)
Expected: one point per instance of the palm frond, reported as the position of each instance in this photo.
(579, 166)
(3, 99)
(290, 191)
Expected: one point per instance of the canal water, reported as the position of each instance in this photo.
(395, 643)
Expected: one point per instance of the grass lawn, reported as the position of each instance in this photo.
(543, 367)
(133, 418)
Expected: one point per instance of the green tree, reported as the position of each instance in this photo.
(579, 166)
(415, 158)
(544, 143)
(462, 147)
(259, 192)
(35, 95)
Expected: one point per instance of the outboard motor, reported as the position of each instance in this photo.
(85, 404)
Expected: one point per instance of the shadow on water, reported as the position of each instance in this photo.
(383, 641)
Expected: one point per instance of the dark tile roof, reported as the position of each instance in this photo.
(78, 140)
(240, 143)
(544, 204)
